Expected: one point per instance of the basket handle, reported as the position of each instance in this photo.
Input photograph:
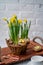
(37, 37)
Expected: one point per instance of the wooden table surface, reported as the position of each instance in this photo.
(6, 52)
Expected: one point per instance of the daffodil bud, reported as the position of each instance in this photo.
(25, 20)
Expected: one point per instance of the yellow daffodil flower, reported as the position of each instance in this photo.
(19, 21)
(14, 16)
(12, 19)
(25, 20)
(5, 19)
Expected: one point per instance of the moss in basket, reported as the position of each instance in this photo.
(15, 25)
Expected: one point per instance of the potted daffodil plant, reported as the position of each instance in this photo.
(18, 34)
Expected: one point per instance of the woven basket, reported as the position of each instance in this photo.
(16, 49)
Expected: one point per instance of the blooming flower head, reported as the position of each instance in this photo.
(19, 21)
(25, 20)
(12, 19)
(14, 16)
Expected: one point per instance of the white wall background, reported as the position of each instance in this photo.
(30, 9)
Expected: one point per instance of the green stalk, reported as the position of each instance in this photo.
(7, 21)
(16, 31)
(22, 32)
(11, 32)
(29, 26)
